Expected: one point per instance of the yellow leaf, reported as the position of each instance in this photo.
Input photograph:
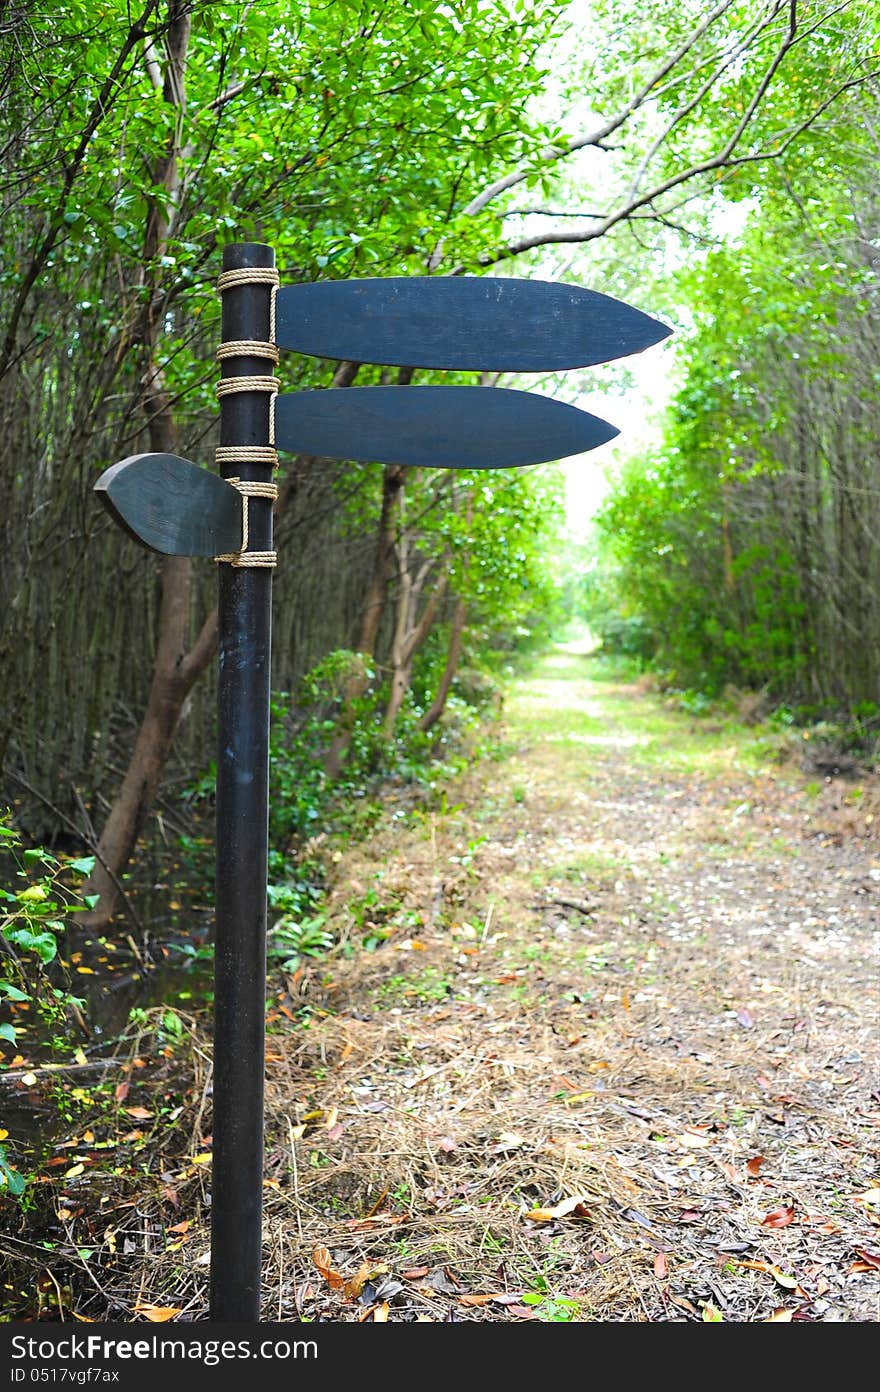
(158, 1314)
(3, 1133)
(88, 1137)
(560, 1210)
(781, 1317)
(380, 1314)
(203, 1159)
(29, 1079)
(85, 971)
(79, 1056)
(577, 1097)
(74, 1171)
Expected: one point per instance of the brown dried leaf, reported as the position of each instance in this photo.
(479, 1299)
(871, 1259)
(121, 1091)
(415, 1273)
(355, 1284)
(139, 1113)
(778, 1217)
(660, 1266)
(754, 1165)
(322, 1259)
(158, 1314)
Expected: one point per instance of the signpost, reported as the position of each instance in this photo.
(176, 508)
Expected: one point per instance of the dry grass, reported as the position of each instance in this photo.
(641, 1008)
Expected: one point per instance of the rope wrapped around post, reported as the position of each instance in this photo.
(262, 456)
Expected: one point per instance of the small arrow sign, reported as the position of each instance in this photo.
(172, 506)
(436, 427)
(485, 323)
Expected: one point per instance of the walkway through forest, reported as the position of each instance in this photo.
(611, 1056)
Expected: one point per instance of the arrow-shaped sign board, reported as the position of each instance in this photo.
(172, 506)
(469, 323)
(436, 427)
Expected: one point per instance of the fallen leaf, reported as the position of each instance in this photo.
(380, 1314)
(322, 1259)
(660, 1267)
(180, 1227)
(478, 1299)
(744, 1018)
(683, 1303)
(754, 1165)
(29, 1079)
(871, 1259)
(158, 1314)
(415, 1273)
(869, 1198)
(689, 1215)
(781, 1317)
(711, 1313)
(204, 1158)
(690, 1140)
(121, 1091)
(139, 1113)
(508, 1140)
(522, 1311)
(355, 1284)
(571, 1207)
(74, 1171)
(446, 1144)
(778, 1217)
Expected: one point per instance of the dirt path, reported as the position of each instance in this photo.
(612, 1056)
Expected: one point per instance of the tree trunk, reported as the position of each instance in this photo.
(174, 670)
(453, 654)
(409, 636)
(393, 479)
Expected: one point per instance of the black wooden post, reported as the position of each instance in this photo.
(242, 795)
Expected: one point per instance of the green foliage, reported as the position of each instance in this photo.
(33, 910)
(726, 544)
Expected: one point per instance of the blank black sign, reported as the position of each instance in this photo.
(486, 323)
(436, 427)
(172, 506)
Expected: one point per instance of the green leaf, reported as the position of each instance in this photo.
(8, 1032)
(83, 865)
(12, 992)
